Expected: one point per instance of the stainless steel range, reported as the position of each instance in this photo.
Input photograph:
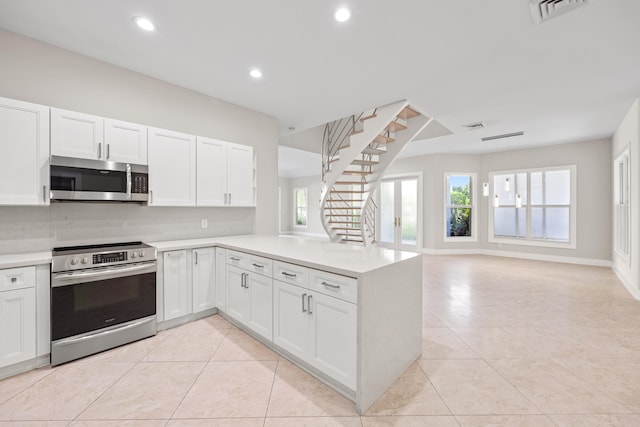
(102, 296)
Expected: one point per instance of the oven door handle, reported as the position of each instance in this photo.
(115, 329)
(66, 279)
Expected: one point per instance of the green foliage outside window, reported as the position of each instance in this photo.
(460, 217)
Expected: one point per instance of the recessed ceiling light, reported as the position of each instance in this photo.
(255, 73)
(144, 23)
(343, 14)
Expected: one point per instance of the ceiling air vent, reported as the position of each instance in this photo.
(474, 126)
(542, 10)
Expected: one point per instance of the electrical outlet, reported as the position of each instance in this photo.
(203, 223)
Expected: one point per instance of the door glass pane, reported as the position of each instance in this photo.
(557, 187)
(409, 211)
(504, 222)
(387, 202)
(521, 188)
(536, 188)
(557, 224)
(504, 187)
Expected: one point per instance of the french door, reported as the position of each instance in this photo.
(400, 212)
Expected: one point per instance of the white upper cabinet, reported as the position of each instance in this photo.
(85, 136)
(76, 134)
(24, 153)
(172, 168)
(125, 142)
(212, 172)
(225, 174)
(240, 175)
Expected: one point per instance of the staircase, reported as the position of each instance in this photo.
(356, 150)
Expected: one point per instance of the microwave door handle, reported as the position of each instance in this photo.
(128, 181)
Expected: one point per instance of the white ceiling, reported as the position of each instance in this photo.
(569, 79)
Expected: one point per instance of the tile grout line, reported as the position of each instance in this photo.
(438, 392)
(275, 372)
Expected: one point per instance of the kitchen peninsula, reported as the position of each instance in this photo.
(350, 315)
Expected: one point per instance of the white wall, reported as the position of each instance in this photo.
(286, 205)
(628, 136)
(593, 160)
(37, 72)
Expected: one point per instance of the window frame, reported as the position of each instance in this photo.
(295, 207)
(528, 240)
(622, 206)
(474, 207)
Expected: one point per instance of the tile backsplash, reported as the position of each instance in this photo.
(33, 229)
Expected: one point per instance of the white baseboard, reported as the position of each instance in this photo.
(632, 288)
(520, 255)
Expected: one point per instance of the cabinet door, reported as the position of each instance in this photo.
(204, 279)
(334, 348)
(211, 172)
(292, 325)
(125, 142)
(175, 284)
(261, 305)
(172, 168)
(221, 286)
(76, 134)
(237, 294)
(24, 153)
(17, 326)
(240, 176)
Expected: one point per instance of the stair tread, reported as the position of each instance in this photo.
(345, 228)
(383, 139)
(345, 200)
(356, 173)
(350, 235)
(395, 127)
(352, 240)
(374, 151)
(351, 208)
(344, 222)
(355, 132)
(407, 113)
(364, 162)
(348, 191)
(348, 183)
(370, 116)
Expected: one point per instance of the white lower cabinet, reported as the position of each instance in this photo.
(204, 279)
(317, 328)
(249, 300)
(17, 315)
(175, 285)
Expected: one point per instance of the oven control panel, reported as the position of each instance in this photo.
(109, 258)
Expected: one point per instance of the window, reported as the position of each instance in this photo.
(458, 205)
(300, 206)
(622, 208)
(534, 207)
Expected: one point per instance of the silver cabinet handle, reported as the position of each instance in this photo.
(226, 198)
(99, 150)
(329, 285)
(229, 198)
(232, 258)
(309, 303)
(246, 280)
(108, 152)
(128, 195)
(196, 255)
(304, 310)
(257, 265)
(284, 273)
(151, 196)
(44, 193)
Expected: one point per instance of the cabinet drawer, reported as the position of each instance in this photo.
(17, 278)
(259, 265)
(239, 259)
(291, 273)
(338, 286)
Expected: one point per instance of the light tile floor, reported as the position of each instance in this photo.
(506, 343)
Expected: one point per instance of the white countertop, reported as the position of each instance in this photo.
(21, 260)
(336, 257)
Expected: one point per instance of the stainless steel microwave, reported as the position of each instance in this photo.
(95, 180)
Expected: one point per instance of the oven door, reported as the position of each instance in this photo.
(88, 300)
